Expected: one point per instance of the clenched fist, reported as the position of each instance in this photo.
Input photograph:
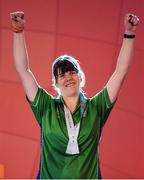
(131, 22)
(17, 21)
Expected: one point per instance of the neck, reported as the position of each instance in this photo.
(71, 102)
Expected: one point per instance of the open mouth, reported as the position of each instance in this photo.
(70, 84)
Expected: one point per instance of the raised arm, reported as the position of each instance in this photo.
(125, 57)
(21, 57)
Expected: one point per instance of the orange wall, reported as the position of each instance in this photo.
(92, 31)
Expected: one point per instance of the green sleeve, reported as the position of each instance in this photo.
(103, 105)
(40, 104)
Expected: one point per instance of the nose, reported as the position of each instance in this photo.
(68, 76)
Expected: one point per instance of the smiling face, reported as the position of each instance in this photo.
(69, 83)
(68, 78)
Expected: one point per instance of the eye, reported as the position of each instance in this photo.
(60, 75)
(72, 72)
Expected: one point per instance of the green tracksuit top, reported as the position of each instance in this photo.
(49, 113)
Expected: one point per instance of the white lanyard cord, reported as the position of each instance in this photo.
(73, 131)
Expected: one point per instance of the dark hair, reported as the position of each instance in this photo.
(64, 64)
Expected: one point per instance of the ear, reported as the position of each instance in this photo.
(80, 78)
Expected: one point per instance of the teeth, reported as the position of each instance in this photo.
(69, 84)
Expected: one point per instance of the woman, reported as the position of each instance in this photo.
(70, 124)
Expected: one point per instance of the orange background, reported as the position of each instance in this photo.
(92, 31)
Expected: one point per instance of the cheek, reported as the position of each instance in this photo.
(60, 83)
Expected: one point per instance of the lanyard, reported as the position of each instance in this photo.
(73, 131)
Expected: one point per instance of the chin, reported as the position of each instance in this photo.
(71, 94)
